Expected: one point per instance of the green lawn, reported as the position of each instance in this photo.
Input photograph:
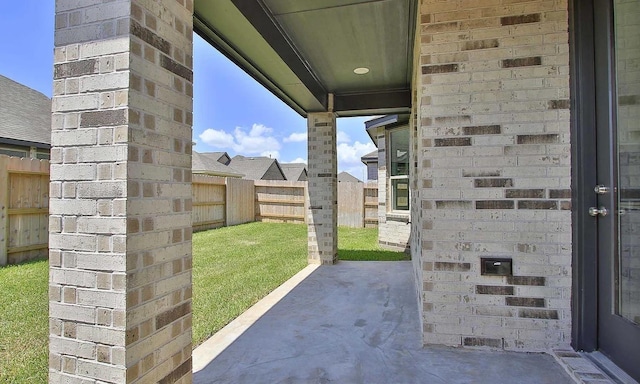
(233, 268)
(24, 324)
(361, 244)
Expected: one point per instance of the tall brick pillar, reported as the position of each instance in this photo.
(494, 174)
(323, 188)
(120, 227)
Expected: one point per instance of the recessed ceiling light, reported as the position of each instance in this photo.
(361, 71)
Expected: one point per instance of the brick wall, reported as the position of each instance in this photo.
(120, 225)
(493, 172)
(323, 188)
(393, 228)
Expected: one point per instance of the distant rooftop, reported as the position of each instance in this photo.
(370, 157)
(25, 115)
(208, 163)
(345, 177)
(258, 168)
(295, 171)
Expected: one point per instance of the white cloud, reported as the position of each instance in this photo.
(349, 157)
(217, 139)
(271, 154)
(342, 137)
(298, 160)
(257, 141)
(350, 154)
(296, 137)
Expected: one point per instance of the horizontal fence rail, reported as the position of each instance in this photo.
(216, 202)
(24, 209)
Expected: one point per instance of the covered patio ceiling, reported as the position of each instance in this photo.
(305, 50)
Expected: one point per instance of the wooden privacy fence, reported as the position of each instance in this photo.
(24, 209)
(217, 202)
(281, 201)
(358, 205)
(286, 201)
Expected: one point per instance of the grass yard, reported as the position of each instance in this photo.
(361, 244)
(24, 324)
(233, 268)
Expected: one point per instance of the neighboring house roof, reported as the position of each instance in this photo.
(295, 171)
(374, 126)
(220, 157)
(345, 177)
(258, 168)
(25, 115)
(370, 157)
(209, 164)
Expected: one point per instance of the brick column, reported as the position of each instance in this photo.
(494, 173)
(323, 188)
(120, 226)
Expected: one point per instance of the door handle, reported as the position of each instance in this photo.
(601, 189)
(595, 211)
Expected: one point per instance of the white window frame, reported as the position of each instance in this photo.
(390, 185)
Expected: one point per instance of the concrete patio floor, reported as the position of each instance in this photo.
(355, 322)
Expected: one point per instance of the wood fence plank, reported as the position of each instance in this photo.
(282, 201)
(240, 201)
(4, 209)
(216, 201)
(351, 205)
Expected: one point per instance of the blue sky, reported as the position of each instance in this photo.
(232, 112)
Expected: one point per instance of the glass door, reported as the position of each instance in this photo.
(618, 173)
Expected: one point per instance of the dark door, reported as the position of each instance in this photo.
(617, 68)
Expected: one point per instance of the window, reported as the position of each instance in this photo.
(12, 152)
(399, 168)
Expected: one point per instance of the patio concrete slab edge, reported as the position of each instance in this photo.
(213, 346)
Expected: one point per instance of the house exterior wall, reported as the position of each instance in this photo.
(493, 173)
(372, 171)
(224, 159)
(24, 151)
(120, 208)
(393, 227)
(273, 173)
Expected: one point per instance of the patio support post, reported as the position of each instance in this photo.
(323, 188)
(493, 175)
(120, 210)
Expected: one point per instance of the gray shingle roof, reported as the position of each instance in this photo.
(294, 171)
(254, 168)
(221, 157)
(345, 177)
(370, 157)
(25, 114)
(208, 163)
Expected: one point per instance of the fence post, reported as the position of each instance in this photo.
(4, 210)
(305, 191)
(363, 192)
(227, 206)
